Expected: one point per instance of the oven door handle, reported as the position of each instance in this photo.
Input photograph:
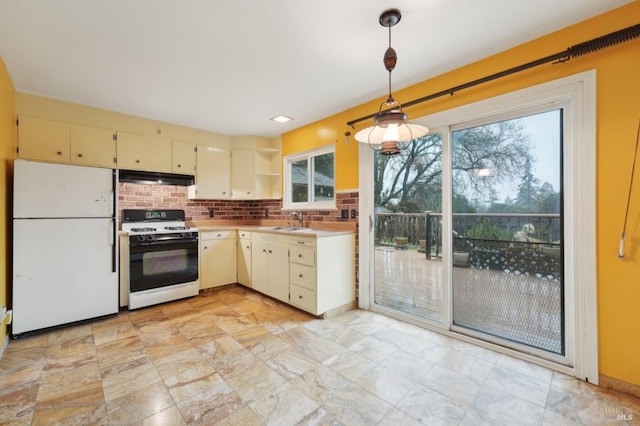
(147, 246)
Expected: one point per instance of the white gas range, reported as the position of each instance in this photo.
(162, 257)
(149, 222)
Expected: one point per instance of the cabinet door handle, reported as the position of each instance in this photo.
(59, 152)
(300, 297)
(80, 155)
(219, 235)
(264, 251)
(179, 165)
(137, 161)
(299, 255)
(270, 251)
(300, 276)
(248, 247)
(205, 247)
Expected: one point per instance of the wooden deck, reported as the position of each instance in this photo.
(522, 308)
(408, 282)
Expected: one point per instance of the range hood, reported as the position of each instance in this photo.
(155, 178)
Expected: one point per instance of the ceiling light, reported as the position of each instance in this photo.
(281, 118)
(391, 132)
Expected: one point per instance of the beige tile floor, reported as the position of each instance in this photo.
(235, 357)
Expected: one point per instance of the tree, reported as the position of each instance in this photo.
(547, 199)
(413, 178)
(528, 191)
(410, 175)
(487, 156)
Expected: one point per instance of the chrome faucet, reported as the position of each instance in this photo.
(298, 215)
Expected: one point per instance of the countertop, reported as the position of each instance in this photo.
(315, 232)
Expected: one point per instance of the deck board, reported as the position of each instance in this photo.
(522, 308)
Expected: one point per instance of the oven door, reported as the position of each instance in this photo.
(162, 262)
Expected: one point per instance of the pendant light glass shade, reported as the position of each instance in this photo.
(397, 131)
(391, 133)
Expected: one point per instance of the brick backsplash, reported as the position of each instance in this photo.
(141, 196)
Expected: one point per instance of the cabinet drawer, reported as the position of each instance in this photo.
(303, 275)
(303, 255)
(244, 235)
(303, 298)
(217, 235)
(303, 241)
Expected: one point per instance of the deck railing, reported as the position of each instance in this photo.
(424, 230)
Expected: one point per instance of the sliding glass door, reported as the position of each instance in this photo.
(467, 232)
(407, 230)
(507, 224)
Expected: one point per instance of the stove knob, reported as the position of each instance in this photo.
(142, 237)
(151, 237)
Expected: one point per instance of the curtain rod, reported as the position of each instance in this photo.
(574, 51)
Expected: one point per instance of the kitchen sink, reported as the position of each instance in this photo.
(301, 229)
(286, 228)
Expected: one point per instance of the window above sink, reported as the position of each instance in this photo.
(309, 179)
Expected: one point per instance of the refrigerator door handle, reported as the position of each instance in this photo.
(114, 188)
(114, 229)
(114, 254)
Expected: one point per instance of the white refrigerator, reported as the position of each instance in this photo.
(64, 245)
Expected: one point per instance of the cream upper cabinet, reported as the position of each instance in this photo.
(43, 140)
(213, 174)
(92, 146)
(138, 152)
(60, 142)
(217, 258)
(184, 157)
(242, 174)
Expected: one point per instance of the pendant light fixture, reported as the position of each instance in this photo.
(391, 133)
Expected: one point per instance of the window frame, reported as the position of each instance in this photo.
(288, 204)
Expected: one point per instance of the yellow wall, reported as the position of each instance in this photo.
(618, 113)
(7, 150)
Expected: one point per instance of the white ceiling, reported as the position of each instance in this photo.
(229, 66)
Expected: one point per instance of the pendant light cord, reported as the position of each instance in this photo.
(390, 70)
(626, 214)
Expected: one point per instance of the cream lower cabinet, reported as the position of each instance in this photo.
(218, 257)
(244, 258)
(322, 272)
(270, 265)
